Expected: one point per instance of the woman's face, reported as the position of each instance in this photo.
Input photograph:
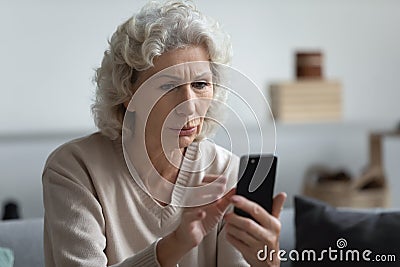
(173, 97)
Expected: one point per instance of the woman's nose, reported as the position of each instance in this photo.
(186, 100)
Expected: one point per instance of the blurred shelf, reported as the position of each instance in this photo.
(43, 135)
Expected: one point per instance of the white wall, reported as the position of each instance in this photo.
(48, 50)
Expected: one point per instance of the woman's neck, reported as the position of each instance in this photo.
(149, 158)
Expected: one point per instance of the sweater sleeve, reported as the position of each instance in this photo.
(227, 254)
(74, 226)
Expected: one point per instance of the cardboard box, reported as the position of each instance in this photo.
(306, 100)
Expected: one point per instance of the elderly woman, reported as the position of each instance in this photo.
(108, 196)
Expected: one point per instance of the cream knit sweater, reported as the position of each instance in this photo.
(97, 215)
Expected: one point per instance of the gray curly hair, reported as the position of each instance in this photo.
(157, 28)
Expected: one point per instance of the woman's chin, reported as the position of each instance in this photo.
(185, 141)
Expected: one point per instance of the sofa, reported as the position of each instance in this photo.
(25, 239)
(318, 226)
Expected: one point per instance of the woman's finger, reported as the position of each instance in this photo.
(250, 253)
(210, 199)
(239, 245)
(222, 201)
(210, 189)
(192, 215)
(247, 225)
(225, 201)
(255, 210)
(205, 193)
(216, 178)
(242, 235)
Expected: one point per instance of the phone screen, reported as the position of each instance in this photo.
(256, 180)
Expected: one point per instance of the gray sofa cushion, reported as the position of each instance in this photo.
(320, 227)
(25, 239)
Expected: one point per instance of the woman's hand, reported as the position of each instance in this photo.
(196, 222)
(249, 237)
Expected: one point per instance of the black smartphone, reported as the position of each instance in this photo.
(257, 180)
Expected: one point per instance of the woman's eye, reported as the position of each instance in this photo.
(167, 86)
(200, 85)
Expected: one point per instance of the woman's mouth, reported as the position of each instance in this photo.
(186, 131)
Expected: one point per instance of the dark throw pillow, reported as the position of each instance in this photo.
(345, 237)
